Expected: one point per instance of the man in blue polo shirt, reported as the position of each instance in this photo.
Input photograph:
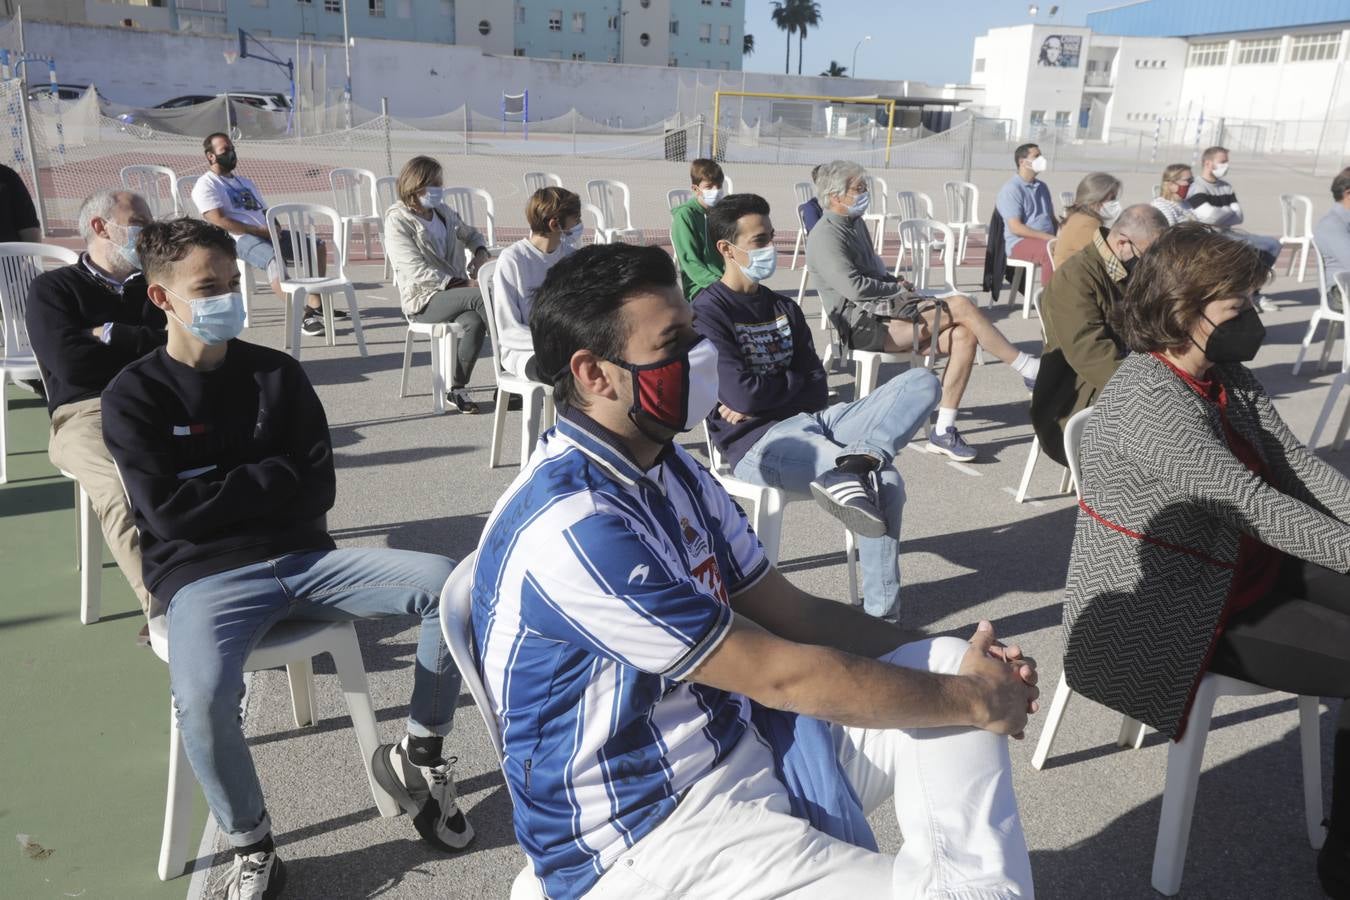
(1028, 212)
(639, 650)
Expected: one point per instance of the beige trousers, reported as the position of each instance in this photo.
(76, 446)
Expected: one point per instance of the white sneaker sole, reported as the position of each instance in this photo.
(950, 454)
(854, 519)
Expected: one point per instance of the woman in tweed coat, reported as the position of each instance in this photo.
(1208, 537)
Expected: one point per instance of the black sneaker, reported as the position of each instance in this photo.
(340, 313)
(312, 324)
(256, 876)
(427, 793)
(459, 398)
(1333, 866)
(852, 499)
(514, 403)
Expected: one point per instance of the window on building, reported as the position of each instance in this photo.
(1209, 53)
(306, 2)
(705, 2)
(377, 9)
(199, 24)
(644, 39)
(484, 27)
(578, 56)
(705, 33)
(1061, 118)
(555, 20)
(405, 9)
(979, 65)
(1314, 47)
(726, 65)
(1259, 51)
(519, 51)
(262, 32)
(613, 23)
(644, 3)
(1037, 118)
(259, 3)
(520, 14)
(672, 62)
(612, 59)
(674, 26)
(727, 3)
(332, 6)
(578, 22)
(216, 6)
(724, 34)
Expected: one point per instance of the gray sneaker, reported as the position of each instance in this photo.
(951, 444)
(427, 793)
(256, 876)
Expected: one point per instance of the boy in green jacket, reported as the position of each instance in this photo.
(699, 262)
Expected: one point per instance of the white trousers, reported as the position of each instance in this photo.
(733, 835)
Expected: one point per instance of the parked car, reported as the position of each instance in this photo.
(268, 100)
(63, 91)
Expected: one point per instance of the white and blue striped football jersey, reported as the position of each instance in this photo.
(599, 589)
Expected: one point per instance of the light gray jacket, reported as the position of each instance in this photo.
(422, 266)
(1164, 504)
(844, 267)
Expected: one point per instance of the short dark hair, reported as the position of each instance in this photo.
(579, 307)
(211, 138)
(1187, 267)
(163, 243)
(1211, 152)
(1340, 184)
(701, 170)
(1023, 152)
(724, 218)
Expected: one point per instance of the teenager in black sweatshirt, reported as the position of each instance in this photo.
(86, 321)
(225, 452)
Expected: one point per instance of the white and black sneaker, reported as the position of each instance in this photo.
(852, 499)
(256, 876)
(312, 323)
(427, 793)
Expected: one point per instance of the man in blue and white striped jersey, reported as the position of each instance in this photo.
(645, 661)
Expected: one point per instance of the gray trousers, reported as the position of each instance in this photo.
(464, 306)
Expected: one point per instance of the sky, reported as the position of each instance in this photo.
(915, 40)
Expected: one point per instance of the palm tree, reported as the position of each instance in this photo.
(808, 15)
(748, 45)
(835, 71)
(784, 15)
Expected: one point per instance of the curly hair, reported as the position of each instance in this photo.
(1187, 267)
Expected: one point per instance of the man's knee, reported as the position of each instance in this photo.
(940, 655)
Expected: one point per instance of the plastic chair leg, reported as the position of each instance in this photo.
(1341, 429)
(79, 533)
(173, 844)
(1030, 467)
(407, 364)
(1066, 485)
(295, 312)
(1327, 406)
(768, 522)
(1052, 720)
(796, 248)
(1310, 746)
(498, 428)
(300, 675)
(1184, 759)
(438, 369)
(851, 558)
(1332, 327)
(1131, 733)
(1303, 260)
(868, 373)
(531, 415)
(351, 673)
(91, 561)
(4, 428)
(354, 316)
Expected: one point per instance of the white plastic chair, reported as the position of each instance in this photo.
(963, 214)
(158, 185)
(678, 197)
(879, 214)
(20, 263)
(536, 180)
(867, 363)
(1335, 319)
(386, 195)
(356, 204)
(804, 191)
(1031, 287)
(1296, 212)
(1065, 199)
(536, 398)
(292, 643)
(919, 238)
(88, 554)
(1341, 380)
(457, 628)
(599, 233)
(1185, 757)
(298, 279)
(183, 191)
(444, 337)
(476, 207)
(247, 277)
(614, 201)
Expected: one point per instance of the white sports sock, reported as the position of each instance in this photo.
(1026, 365)
(946, 419)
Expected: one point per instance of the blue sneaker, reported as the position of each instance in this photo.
(952, 444)
(1030, 383)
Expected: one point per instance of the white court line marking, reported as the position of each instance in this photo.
(1011, 492)
(960, 467)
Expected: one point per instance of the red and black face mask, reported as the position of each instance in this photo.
(675, 393)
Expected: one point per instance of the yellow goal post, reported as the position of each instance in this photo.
(887, 102)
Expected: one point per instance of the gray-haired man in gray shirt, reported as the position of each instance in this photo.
(1332, 232)
(874, 310)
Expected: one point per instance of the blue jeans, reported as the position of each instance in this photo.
(214, 622)
(799, 450)
(1268, 246)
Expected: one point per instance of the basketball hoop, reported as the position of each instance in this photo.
(231, 56)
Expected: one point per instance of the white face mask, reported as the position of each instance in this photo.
(1221, 170)
(711, 195)
(762, 264)
(1110, 211)
(431, 197)
(1040, 164)
(860, 204)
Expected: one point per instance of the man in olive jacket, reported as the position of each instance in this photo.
(1082, 350)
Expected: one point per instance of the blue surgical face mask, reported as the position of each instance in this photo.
(215, 319)
(860, 204)
(127, 249)
(763, 263)
(574, 233)
(431, 197)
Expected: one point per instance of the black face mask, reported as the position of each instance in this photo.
(227, 160)
(1129, 265)
(1236, 340)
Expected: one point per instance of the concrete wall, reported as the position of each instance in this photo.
(1146, 81)
(1293, 91)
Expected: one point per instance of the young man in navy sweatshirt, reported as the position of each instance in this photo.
(772, 422)
(225, 453)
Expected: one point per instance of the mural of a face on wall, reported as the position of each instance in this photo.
(1060, 51)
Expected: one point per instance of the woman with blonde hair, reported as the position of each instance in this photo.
(1176, 181)
(426, 241)
(1096, 204)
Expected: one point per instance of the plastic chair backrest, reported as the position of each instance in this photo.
(598, 219)
(184, 186)
(727, 186)
(1073, 439)
(919, 236)
(386, 194)
(536, 180)
(878, 190)
(804, 191)
(610, 197)
(716, 463)
(353, 192)
(457, 629)
(963, 201)
(310, 222)
(474, 206)
(485, 290)
(678, 197)
(20, 263)
(1294, 225)
(158, 185)
(1050, 251)
(913, 205)
(1065, 199)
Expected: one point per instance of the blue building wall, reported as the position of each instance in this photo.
(597, 41)
(427, 20)
(1186, 18)
(688, 50)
